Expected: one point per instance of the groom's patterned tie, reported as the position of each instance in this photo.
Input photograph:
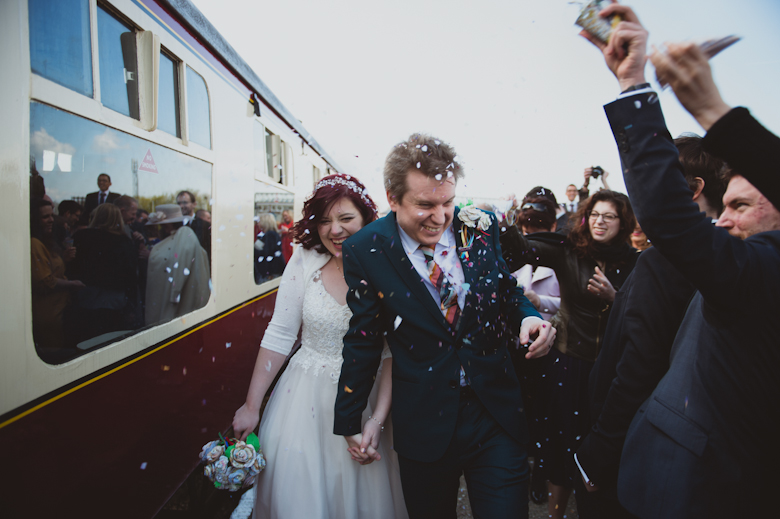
(447, 293)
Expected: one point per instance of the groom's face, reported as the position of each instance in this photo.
(427, 208)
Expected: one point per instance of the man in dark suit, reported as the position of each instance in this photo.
(703, 444)
(634, 356)
(98, 197)
(431, 281)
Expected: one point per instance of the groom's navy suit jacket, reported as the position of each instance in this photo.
(704, 444)
(389, 299)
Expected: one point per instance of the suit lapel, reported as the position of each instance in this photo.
(394, 250)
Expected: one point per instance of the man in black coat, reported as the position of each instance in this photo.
(645, 317)
(703, 444)
(457, 406)
(98, 197)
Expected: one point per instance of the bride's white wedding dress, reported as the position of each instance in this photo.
(310, 474)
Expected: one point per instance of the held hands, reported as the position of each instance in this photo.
(600, 286)
(362, 446)
(625, 53)
(686, 69)
(544, 333)
(244, 421)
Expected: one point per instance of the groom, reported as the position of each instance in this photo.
(431, 281)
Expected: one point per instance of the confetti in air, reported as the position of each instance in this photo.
(397, 322)
(228, 345)
(347, 389)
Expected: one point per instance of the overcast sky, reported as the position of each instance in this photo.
(509, 83)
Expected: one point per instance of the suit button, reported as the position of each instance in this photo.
(453, 384)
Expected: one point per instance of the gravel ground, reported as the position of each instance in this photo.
(534, 511)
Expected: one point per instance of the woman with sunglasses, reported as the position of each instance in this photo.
(591, 264)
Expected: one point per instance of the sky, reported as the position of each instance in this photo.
(509, 84)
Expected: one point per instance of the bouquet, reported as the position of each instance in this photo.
(232, 464)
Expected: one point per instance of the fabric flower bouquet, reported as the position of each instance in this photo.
(232, 464)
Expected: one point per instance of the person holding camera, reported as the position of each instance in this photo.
(593, 172)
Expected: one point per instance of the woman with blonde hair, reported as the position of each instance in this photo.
(107, 263)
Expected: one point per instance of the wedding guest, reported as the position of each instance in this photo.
(591, 264)
(178, 271)
(268, 259)
(106, 262)
(103, 195)
(284, 228)
(51, 290)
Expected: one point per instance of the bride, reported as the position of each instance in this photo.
(310, 473)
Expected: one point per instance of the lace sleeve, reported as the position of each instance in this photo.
(282, 332)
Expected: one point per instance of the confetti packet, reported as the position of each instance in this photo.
(594, 24)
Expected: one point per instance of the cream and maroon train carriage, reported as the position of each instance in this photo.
(148, 92)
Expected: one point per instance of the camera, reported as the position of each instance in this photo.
(596, 172)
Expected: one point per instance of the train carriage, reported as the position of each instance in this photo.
(148, 93)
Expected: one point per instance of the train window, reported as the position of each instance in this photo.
(168, 96)
(273, 222)
(198, 109)
(60, 48)
(109, 275)
(118, 65)
(316, 175)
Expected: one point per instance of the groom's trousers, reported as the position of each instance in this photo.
(495, 466)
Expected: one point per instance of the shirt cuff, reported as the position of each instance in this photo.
(529, 317)
(645, 90)
(582, 471)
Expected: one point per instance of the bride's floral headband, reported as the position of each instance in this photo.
(349, 184)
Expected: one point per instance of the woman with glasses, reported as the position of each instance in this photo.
(591, 264)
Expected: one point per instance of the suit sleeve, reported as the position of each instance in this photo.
(518, 307)
(655, 303)
(723, 268)
(544, 248)
(363, 345)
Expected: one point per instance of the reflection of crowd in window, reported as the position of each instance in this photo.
(269, 262)
(102, 271)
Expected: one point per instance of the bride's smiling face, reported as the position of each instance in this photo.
(341, 220)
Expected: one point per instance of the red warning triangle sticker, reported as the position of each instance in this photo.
(148, 163)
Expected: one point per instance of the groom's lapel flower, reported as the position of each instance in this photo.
(473, 217)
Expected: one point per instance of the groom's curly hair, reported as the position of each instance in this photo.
(424, 153)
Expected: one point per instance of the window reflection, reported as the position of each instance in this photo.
(198, 109)
(107, 275)
(60, 43)
(168, 97)
(118, 65)
(273, 222)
